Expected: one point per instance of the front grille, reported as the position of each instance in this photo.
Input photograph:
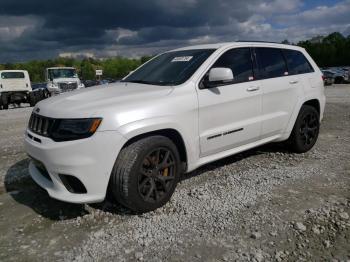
(40, 125)
(68, 86)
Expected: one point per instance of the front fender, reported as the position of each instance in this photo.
(145, 126)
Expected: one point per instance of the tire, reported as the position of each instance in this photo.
(135, 190)
(338, 80)
(305, 131)
(32, 99)
(4, 101)
(46, 94)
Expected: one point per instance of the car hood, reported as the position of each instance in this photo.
(99, 100)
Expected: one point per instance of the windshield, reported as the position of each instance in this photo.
(62, 73)
(172, 68)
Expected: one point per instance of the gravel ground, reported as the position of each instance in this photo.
(262, 205)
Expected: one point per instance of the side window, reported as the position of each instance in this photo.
(297, 63)
(240, 62)
(271, 62)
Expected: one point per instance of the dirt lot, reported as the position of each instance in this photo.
(264, 204)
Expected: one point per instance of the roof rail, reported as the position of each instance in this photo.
(257, 41)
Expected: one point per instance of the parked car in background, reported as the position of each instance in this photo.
(347, 72)
(106, 81)
(42, 88)
(328, 77)
(179, 111)
(103, 82)
(89, 83)
(340, 76)
(15, 88)
(62, 79)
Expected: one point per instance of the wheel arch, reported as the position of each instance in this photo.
(315, 103)
(312, 101)
(171, 133)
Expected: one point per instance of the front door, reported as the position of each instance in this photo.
(230, 113)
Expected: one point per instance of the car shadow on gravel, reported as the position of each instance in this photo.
(20, 186)
(268, 148)
(110, 206)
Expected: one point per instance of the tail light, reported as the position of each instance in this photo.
(323, 78)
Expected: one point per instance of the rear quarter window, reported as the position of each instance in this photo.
(12, 75)
(297, 62)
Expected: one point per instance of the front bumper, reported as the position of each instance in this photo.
(90, 160)
(55, 90)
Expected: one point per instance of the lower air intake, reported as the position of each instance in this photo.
(73, 184)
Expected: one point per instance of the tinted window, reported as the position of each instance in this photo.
(297, 63)
(240, 62)
(271, 62)
(172, 68)
(12, 75)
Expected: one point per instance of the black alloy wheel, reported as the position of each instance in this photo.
(305, 131)
(309, 128)
(146, 173)
(156, 175)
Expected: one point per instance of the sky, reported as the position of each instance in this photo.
(42, 29)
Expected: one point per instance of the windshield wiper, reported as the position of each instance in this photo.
(138, 82)
(147, 82)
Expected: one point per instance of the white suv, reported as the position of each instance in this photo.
(182, 109)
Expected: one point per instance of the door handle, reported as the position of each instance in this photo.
(253, 88)
(293, 82)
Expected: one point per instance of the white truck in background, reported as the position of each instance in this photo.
(15, 88)
(62, 79)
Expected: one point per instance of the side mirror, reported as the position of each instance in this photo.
(220, 74)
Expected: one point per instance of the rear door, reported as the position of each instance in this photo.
(230, 113)
(280, 90)
(300, 68)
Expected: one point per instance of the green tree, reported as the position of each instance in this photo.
(87, 70)
(331, 50)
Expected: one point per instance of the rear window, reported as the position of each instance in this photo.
(297, 63)
(271, 63)
(12, 75)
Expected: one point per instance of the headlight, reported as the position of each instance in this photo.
(73, 129)
(54, 85)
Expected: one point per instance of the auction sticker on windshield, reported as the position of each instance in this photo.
(182, 59)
